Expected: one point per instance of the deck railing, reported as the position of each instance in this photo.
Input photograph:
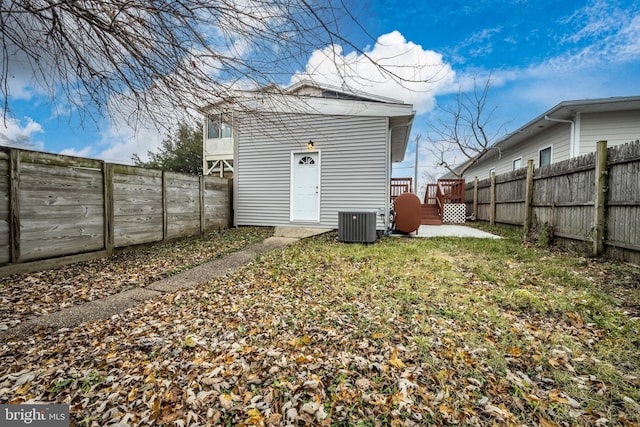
(431, 194)
(451, 190)
(445, 191)
(399, 186)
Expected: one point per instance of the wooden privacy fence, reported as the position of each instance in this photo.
(593, 199)
(54, 206)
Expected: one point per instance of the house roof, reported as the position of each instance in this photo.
(330, 91)
(308, 97)
(566, 110)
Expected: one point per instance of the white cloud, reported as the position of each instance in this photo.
(394, 67)
(121, 141)
(84, 152)
(601, 52)
(482, 40)
(629, 37)
(602, 33)
(21, 133)
(595, 20)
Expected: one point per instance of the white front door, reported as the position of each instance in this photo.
(305, 187)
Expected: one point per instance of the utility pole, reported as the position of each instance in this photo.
(415, 167)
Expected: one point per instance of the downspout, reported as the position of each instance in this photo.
(572, 142)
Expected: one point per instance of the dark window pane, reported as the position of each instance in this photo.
(545, 157)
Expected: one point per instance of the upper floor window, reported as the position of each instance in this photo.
(517, 163)
(219, 126)
(545, 157)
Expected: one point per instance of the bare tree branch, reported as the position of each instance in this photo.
(147, 57)
(465, 131)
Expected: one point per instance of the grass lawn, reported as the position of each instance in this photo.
(402, 332)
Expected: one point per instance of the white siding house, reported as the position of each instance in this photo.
(570, 129)
(303, 155)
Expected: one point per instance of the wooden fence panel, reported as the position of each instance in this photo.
(510, 213)
(217, 199)
(57, 209)
(510, 196)
(5, 234)
(563, 198)
(565, 182)
(61, 207)
(573, 222)
(183, 205)
(484, 200)
(623, 200)
(137, 194)
(468, 195)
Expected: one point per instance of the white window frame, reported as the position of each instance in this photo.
(548, 147)
(513, 163)
(218, 118)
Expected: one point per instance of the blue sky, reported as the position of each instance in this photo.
(539, 53)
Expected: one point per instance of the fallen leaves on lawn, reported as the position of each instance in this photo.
(326, 334)
(43, 292)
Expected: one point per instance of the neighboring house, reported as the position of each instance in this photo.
(302, 155)
(570, 129)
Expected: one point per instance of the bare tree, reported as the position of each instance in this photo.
(149, 57)
(466, 130)
(181, 151)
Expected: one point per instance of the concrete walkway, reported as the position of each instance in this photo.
(106, 307)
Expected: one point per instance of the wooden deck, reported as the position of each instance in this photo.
(430, 215)
(435, 197)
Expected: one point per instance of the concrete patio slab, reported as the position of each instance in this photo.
(449, 230)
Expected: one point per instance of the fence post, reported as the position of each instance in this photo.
(475, 198)
(107, 180)
(165, 226)
(14, 204)
(528, 198)
(203, 214)
(492, 206)
(231, 222)
(600, 198)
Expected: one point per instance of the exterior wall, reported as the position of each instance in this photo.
(557, 136)
(616, 128)
(353, 172)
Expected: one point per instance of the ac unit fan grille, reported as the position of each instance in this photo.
(357, 227)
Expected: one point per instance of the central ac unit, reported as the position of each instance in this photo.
(357, 227)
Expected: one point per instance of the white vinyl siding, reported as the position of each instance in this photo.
(353, 174)
(557, 135)
(616, 128)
